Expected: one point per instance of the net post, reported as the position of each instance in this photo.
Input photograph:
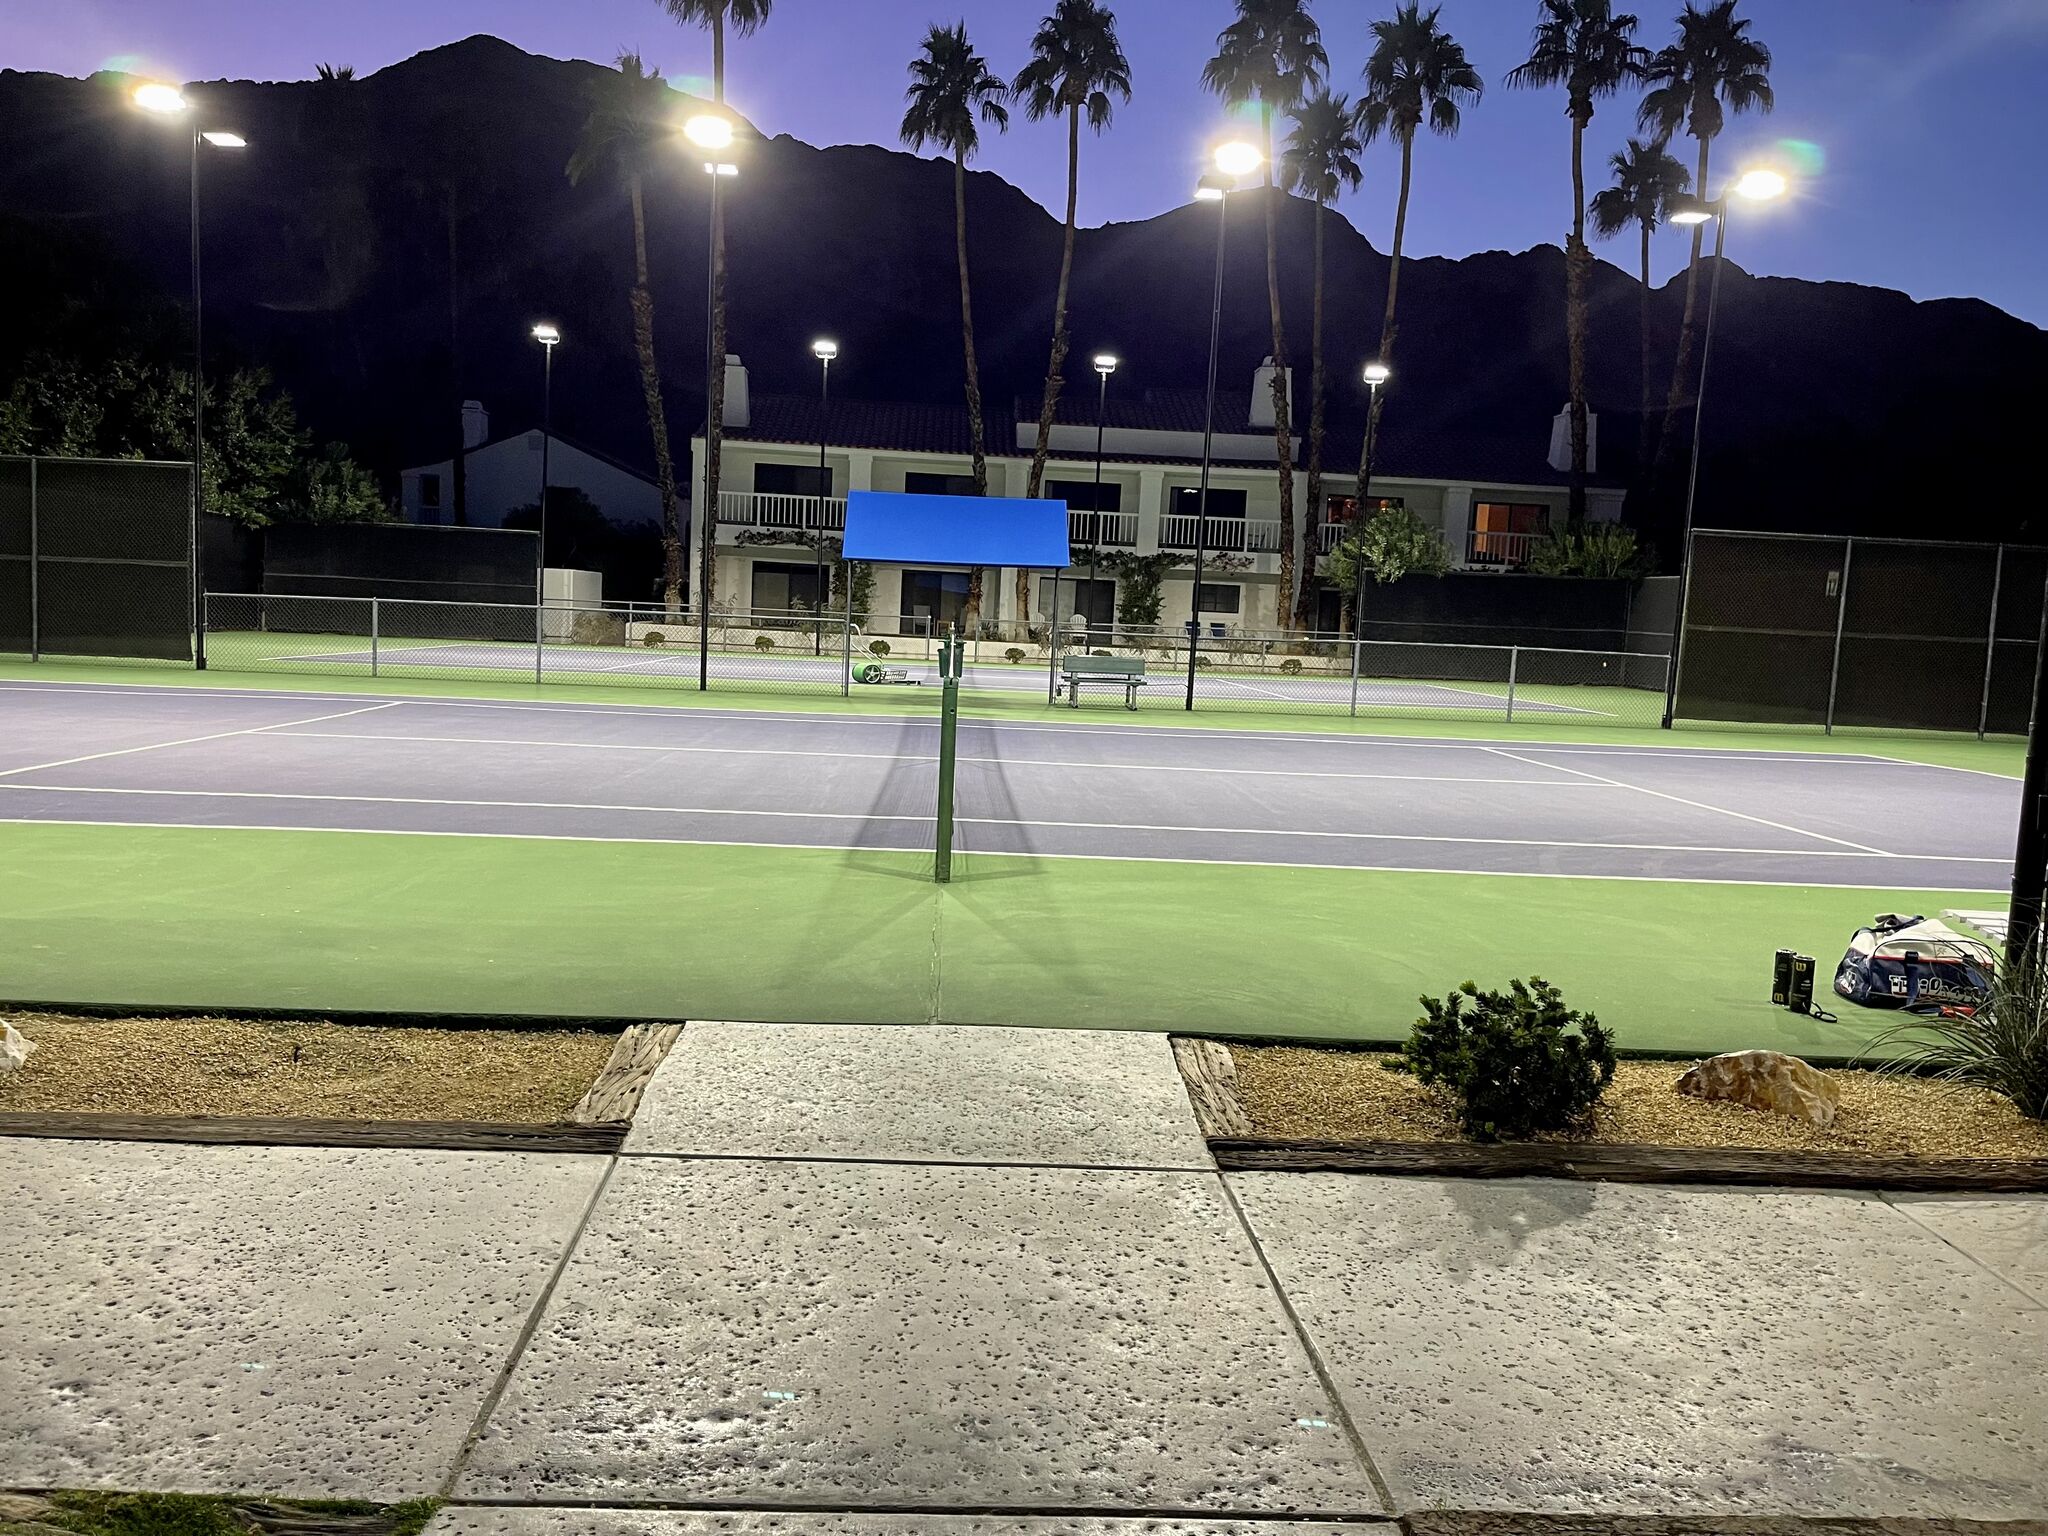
(375, 626)
(949, 719)
(1990, 644)
(1841, 616)
(1514, 665)
(35, 570)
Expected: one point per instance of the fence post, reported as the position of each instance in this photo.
(35, 570)
(1990, 644)
(539, 618)
(1514, 662)
(1052, 640)
(1357, 645)
(1841, 616)
(949, 720)
(375, 626)
(846, 640)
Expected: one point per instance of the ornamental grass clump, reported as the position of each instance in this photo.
(1516, 1064)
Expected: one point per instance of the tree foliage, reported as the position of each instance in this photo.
(1604, 550)
(1394, 543)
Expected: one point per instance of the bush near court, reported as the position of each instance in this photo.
(1518, 1063)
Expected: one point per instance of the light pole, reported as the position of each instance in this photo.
(1105, 365)
(168, 101)
(824, 349)
(1376, 374)
(1756, 186)
(1234, 160)
(549, 336)
(709, 131)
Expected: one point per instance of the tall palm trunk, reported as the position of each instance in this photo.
(1645, 428)
(1283, 433)
(1387, 327)
(657, 418)
(1053, 369)
(1577, 259)
(1312, 512)
(976, 575)
(714, 406)
(460, 477)
(1682, 363)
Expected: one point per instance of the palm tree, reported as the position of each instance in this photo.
(626, 128)
(336, 74)
(1713, 67)
(743, 16)
(1648, 180)
(951, 86)
(1076, 65)
(1417, 73)
(1272, 54)
(1585, 47)
(1320, 162)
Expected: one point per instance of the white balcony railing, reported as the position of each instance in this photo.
(742, 510)
(1329, 536)
(1108, 530)
(1509, 551)
(1240, 535)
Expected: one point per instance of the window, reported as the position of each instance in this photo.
(1342, 509)
(1218, 597)
(430, 491)
(1503, 531)
(1187, 502)
(785, 588)
(923, 483)
(1094, 601)
(932, 600)
(791, 480)
(1079, 495)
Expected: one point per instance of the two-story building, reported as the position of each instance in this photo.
(1489, 501)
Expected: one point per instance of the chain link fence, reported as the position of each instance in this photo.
(1872, 634)
(96, 558)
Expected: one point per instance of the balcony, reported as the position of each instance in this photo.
(1226, 535)
(1499, 551)
(1102, 530)
(766, 511)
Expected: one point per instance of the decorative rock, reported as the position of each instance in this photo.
(1767, 1080)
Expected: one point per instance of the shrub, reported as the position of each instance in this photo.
(1290, 666)
(878, 647)
(764, 642)
(654, 637)
(2003, 1046)
(1098, 653)
(597, 629)
(1605, 550)
(1014, 655)
(1201, 660)
(1518, 1062)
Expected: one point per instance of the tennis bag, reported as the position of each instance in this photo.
(1914, 962)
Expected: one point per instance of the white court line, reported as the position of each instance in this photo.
(157, 746)
(1701, 805)
(990, 821)
(972, 853)
(919, 757)
(930, 722)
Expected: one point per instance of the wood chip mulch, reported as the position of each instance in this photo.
(1299, 1091)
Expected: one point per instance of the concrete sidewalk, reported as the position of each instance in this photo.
(890, 1282)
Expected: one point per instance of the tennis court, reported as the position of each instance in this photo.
(276, 848)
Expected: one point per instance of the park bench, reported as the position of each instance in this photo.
(1125, 672)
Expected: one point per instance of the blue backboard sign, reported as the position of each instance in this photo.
(957, 530)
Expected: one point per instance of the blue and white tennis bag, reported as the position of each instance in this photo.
(1915, 962)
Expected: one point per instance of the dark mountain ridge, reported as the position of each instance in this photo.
(1831, 407)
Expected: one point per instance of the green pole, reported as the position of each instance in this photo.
(949, 719)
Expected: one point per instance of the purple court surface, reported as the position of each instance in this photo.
(189, 756)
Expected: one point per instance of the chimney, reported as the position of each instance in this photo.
(476, 424)
(737, 411)
(1561, 441)
(1262, 395)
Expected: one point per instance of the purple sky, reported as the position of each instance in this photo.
(1927, 114)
